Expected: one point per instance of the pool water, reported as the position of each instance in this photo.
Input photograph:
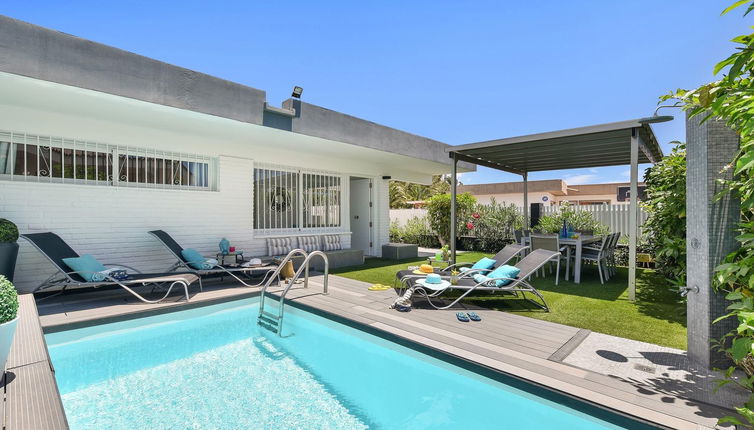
(213, 368)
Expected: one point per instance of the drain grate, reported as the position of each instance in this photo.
(644, 368)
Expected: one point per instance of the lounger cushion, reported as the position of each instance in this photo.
(504, 271)
(484, 264)
(196, 260)
(86, 266)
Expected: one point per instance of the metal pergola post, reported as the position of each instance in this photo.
(453, 214)
(526, 200)
(633, 214)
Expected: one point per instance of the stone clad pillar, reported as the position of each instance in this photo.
(710, 232)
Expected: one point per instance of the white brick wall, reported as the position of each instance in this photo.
(111, 223)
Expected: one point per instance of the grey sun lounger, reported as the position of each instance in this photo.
(56, 249)
(504, 256)
(183, 264)
(528, 265)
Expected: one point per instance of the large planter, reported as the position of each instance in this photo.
(8, 255)
(7, 331)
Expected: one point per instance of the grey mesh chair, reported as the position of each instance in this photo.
(56, 249)
(528, 265)
(599, 255)
(551, 242)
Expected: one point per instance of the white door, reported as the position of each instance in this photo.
(361, 214)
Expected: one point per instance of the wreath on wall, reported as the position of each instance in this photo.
(280, 199)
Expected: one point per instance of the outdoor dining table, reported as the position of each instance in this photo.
(578, 244)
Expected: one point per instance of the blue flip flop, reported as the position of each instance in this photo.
(474, 316)
(462, 317)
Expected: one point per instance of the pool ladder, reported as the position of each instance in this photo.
(274, 322)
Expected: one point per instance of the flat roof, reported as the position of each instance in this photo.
(593, 146)
(40, 53)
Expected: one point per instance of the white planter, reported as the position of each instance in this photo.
(7, 331)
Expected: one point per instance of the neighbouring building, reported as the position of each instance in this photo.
(100, 145)
(552, 192)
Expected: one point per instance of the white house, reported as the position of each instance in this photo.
(100, 146)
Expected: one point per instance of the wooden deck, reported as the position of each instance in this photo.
(523, 347)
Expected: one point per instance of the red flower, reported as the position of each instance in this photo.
(470, 225)
(476, 215)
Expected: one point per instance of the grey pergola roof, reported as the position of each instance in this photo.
(593, 146)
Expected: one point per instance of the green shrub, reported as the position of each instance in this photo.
(8, 231)
(493, 225)
(438, 214)
(8, 300)
(578, 220)
(665, 203)
(415, 231)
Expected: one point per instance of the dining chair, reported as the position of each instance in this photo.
(550, 242)
(611, 254)
(598, 255)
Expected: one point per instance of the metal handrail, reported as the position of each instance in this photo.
(303, 268)
(276, 273)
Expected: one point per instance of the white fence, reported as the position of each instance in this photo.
(615, 216)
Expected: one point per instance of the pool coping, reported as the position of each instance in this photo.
(592, 399)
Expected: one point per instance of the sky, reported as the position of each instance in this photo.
(458, 72)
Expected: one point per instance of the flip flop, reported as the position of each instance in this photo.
(474, 316)
(379, 287)
(400, 308)
(462, 317)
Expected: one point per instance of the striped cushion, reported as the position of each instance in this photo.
(308, 243)
(332, 242)
(279, 246)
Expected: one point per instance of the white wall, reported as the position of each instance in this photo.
(111, 223)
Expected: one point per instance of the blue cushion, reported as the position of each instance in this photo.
(485, 264)
(194, 259)
(86, 266)
(504, 271)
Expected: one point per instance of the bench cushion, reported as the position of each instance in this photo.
(279, 246)
(331, 242)
(309, 243)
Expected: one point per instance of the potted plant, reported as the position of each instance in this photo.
(8, 248)
(8, 317)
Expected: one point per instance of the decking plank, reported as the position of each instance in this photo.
(32, 399)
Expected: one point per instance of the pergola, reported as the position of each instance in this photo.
(618, 143)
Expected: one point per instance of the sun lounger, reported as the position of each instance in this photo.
(527, 265)
(56, 249)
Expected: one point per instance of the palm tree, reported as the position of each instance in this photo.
(403, 192)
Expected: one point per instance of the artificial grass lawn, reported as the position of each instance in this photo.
(656, 316)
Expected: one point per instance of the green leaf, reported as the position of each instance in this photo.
(734, 5)
(740, 348)
(745, 162)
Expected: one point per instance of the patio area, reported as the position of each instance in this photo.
(656, 316)
(537, 351)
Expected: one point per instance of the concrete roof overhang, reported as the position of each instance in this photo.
(593, 146)
(108, 114)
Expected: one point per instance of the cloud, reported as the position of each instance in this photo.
(580, 179)
(626, 173)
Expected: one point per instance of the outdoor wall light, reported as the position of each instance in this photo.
(297, 92)
(387, 177)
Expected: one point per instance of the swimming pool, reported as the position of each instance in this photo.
(212, 367)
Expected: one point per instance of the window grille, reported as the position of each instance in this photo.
(29, 157)
(289, 200)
